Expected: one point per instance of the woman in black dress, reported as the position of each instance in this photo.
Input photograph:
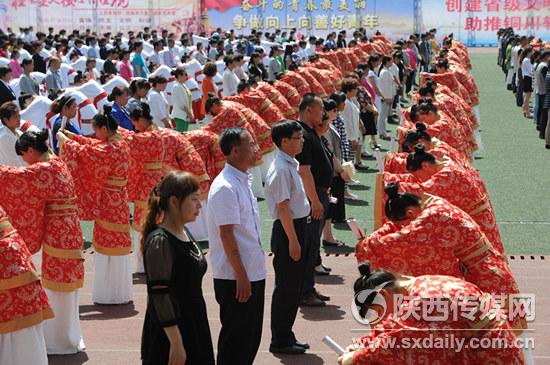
(176, 327)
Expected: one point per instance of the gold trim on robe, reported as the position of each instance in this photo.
(62, 287)
(19, 280)
(113, 227)
(27, 321)
(112, 251)
(62, 253)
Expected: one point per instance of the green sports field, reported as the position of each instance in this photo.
(515, 167)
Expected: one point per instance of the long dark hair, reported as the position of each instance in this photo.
(176, 183)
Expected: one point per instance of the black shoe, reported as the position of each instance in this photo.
(312, 301)
(322, 297)
(320, 271)
(326, 268)
(361, 166)
(289, 350)
(304, 345)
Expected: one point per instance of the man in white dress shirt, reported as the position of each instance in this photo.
(236, 253)
(170, 55)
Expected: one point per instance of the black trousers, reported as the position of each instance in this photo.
(289, 280)
(314, 257)
(543, 122)
(241, 331)
(337, 212)
(519, 93)
(540, 109)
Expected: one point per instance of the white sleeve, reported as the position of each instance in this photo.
(177, 99)
(386, 82)
(157, 106)
(347, 116)
(226, 84)
(225, 203)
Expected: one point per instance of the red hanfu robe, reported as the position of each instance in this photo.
(100, 170)
(352, 55)
(260, 104)
(409, 322)
(331, 57)
(396, 163)
(314, 84)
(461, 49)
(261, 129)
(278, 99)
(448, 79)
(384, 41)
(41, 202)
(442, 240)
(320, 76)
(447, 105)
(447, 97)
(206, 144)
(329, 63)
(464, 77)
(296, 80)
(361, 55)
(367, 47)
(181, 155)
(231, 116)
(343, 59)
(456, 185)
(23, 301)
(146, 169)
(291, 95)
(444, 129)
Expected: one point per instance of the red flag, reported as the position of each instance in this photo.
(224, 5)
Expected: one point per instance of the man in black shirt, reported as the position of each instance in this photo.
(316, 171)
(6, 92)
(109, 67)
(38, 61)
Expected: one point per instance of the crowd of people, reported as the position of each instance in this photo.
(283, 118)
(524, 60)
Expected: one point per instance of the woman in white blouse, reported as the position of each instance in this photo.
(158, 103)
(352, 121)
(182, 111)
(9, 114)
(387, 88)
(374, 80)
(230, 79)
(527, 72)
